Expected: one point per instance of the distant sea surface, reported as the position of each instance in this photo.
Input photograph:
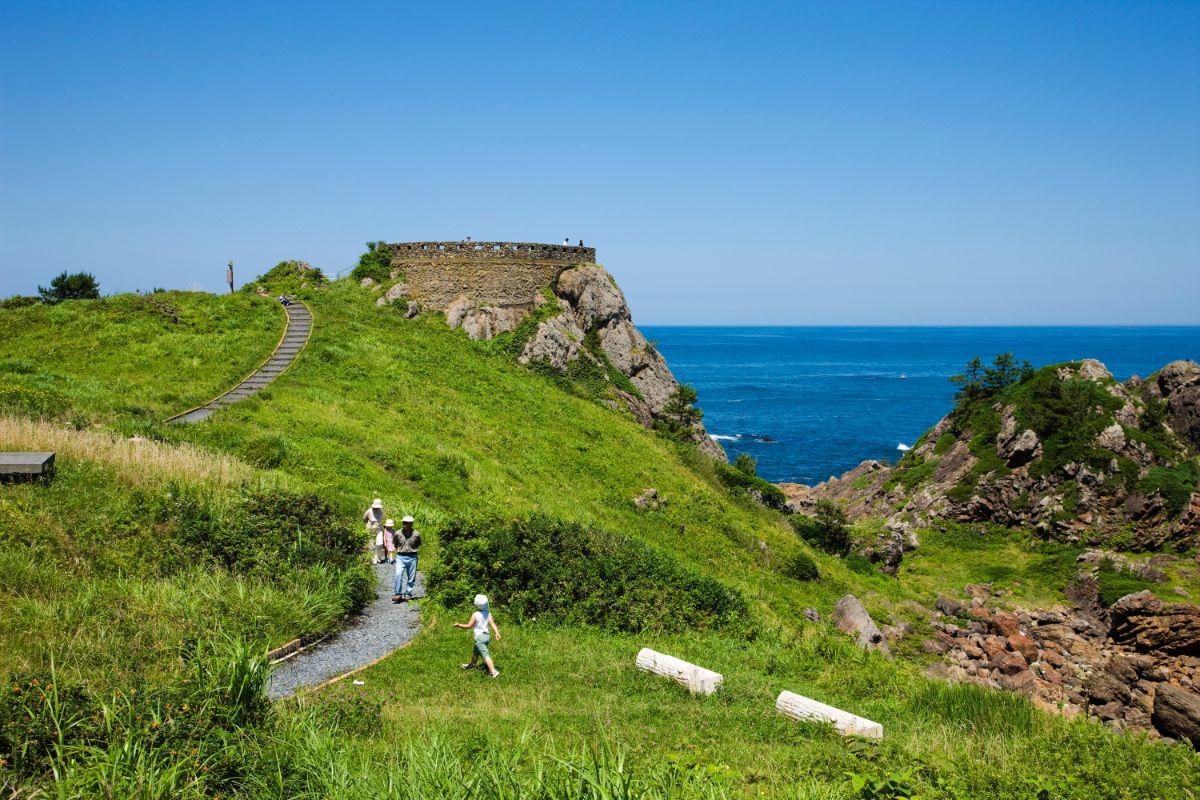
(813, 402)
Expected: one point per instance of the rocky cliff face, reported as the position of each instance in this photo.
(1068, 452)
(580, 314)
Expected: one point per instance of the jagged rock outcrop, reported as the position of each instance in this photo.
(1071, 454)
(1179, 384)
(1078, 660)
(1147, 624)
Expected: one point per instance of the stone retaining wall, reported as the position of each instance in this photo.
(503, 274)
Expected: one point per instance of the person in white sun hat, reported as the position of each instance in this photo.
(478, 624)
(373, 520)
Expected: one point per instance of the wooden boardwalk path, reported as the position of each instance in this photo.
(299, 326)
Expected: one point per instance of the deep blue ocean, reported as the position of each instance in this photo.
(813, 402)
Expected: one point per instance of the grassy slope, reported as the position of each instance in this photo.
(90, 579)
(437, 425)
(124, 358)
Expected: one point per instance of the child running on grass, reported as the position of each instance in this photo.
(479, 623)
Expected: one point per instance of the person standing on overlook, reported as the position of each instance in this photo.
(229, 276)
(408, 541)
(373, 520)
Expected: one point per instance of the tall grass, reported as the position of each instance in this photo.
(136, 460)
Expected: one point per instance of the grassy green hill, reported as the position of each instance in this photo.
(151, 569)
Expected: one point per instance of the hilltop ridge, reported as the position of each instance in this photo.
(553, 306)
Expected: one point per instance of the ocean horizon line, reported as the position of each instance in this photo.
(834, 326)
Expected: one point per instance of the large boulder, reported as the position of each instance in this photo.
(491, 321)
(401, 291)
(593, 295)
(557, 342)
(1147, 624)
(1015, 445)
(851, 617)
(1177, 713)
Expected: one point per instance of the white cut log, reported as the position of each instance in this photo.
(802, 708)
(696, 679)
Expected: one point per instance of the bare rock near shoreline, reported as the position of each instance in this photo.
(1092, 500)
(1179, 384)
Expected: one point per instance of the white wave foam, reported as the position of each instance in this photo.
(903, 447)
(721, 437)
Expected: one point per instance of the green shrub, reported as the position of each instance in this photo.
(860, 564)
(917, 473)
(1115, 584)
(70, 286)
(287, 277)
(375, 264)
(746, 463)
(1175, 485)
(766, 492)
(265, 451)
(799, 565)
(944, 443)
(18, 301)
(560, 571)
(828, 529)
(261, 530)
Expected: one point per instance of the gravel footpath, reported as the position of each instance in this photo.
(382, 627)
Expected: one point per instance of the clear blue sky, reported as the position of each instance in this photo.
(791, 163)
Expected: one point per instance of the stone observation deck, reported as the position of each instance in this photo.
(475, 274)
(497, 252)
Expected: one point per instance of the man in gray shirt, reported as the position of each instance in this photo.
(408, 541)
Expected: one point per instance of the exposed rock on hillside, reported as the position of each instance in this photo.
(1067, 451)
(851, 617)
(1081, 659)
(580, 314)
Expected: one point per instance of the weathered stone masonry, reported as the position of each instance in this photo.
(499, 274)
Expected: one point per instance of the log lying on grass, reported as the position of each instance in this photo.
(802, 708)
(696, 679)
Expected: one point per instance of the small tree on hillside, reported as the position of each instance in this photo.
(679, 417)
(827, 529)
(746, 463)
(70, 286)
(977, 382)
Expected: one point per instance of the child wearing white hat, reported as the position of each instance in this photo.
(479, 624)
(389, 541)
